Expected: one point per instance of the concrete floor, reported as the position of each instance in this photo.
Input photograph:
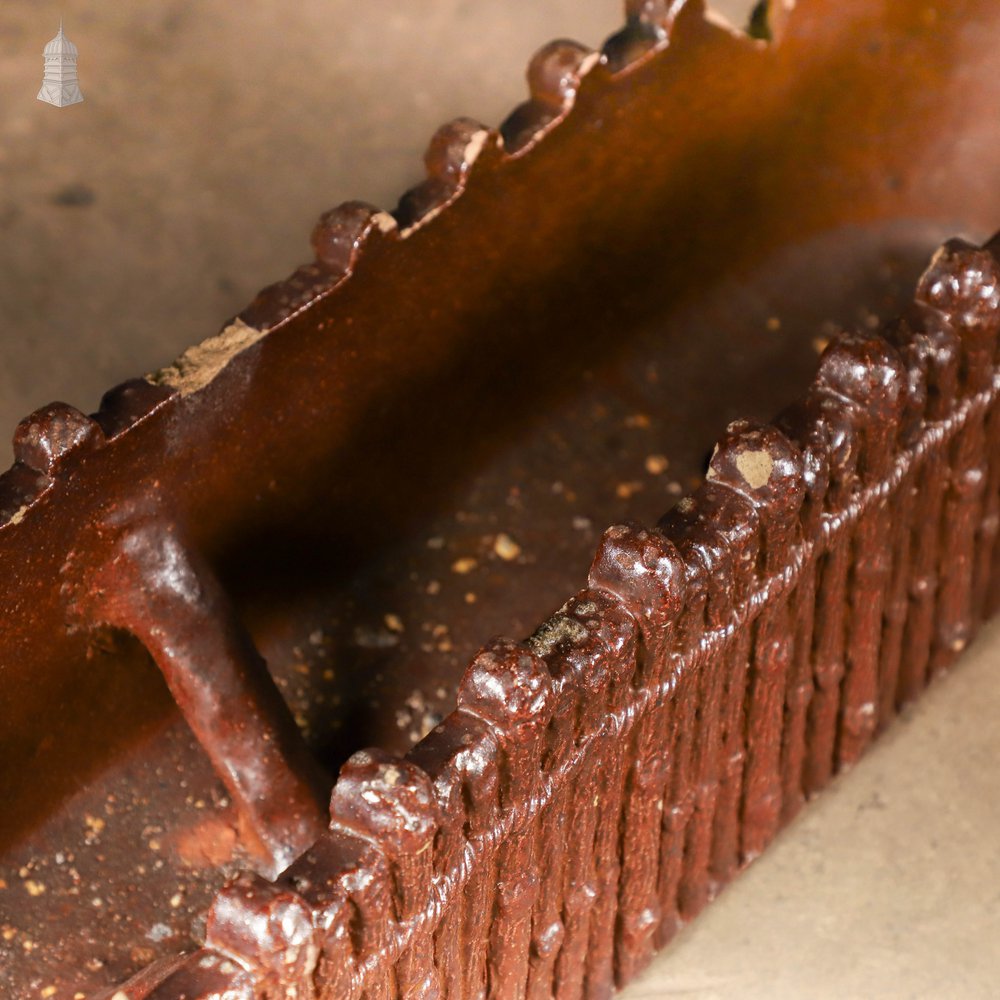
(210, 139)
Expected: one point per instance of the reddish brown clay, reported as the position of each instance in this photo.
(579, 275)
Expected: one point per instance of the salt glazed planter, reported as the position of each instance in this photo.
(414, 440)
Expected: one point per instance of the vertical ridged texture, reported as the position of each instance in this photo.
(831, 428)
(599, 783)
(509, 687)
(903, 509)
(461, 761)
(715, 530)
(961, 285)
(801, 685)
(764, 470)
(599, 661)
(645, 572)
(868, 374)
(392, 802)
(934, 348)
(557, 641)
(986, 571)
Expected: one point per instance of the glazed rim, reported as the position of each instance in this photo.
(882, 386)
(346, 234)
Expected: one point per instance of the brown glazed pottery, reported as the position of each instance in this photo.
(297, 540)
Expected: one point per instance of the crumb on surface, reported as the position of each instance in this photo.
(505, 547)
(640, 420)
(628, 489)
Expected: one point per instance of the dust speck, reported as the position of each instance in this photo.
(505, 547)
(626, 490)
